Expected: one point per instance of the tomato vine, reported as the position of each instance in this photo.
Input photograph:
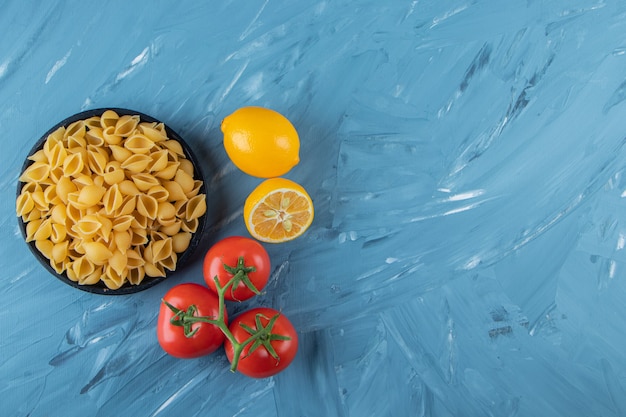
(261, 336)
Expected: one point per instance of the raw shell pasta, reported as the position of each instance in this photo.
(196, 207)
(180, 242)
(110, 200)
(137, 163)
(126, 125)
(139, 144)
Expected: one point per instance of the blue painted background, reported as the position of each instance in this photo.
(466, 159)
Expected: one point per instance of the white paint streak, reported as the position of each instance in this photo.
(621, 241)
(57, 66)
(3, 68)
(466, 196)
(137, 62)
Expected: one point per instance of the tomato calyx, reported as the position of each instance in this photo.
(240, 274)
(187, 318)
(263, 335)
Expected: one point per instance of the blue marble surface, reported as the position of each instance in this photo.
(466, 159)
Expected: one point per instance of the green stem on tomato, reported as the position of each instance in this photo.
(240, 273)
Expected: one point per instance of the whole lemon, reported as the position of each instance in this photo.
(261, 142)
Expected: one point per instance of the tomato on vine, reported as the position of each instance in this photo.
(243, 261)
(266, 342)
(190, 339)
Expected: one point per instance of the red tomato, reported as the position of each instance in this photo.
(207, 337)
(256, 360)
(240, 258)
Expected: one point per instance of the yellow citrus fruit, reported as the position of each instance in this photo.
(261, 142)
(278, 210)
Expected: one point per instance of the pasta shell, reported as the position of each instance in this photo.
(73, 165)
(159, 160)
(74, 143)
(122, 223)
(169, 263)
(58, 135)
(168, 172)
(76, 129)
(109, 136)
(93, 122)
(144, 181)
(161, 249)
(159, 193)
(128, 187)
(127, 207)
(40, 200)
(96, 252)
(180, 242)
(187, 166)
(139, 144)
(147, 206)
(135, 260)
(138, 236)
(174, 147)
(197, 184)
(112, 279)
(112, 200)
(74, 214)
(181, 208)
(185, 180)
(24, 204)
(58, 267)
(92, 278)
(137, 163)
(153, 270)
(118, 262)
(58, 214)
(56, 174)
(90, 195)
(38, 156)
(97, 160)
(166, 213)
(190, 225)
(95, 137)
(82, 180)
(50, 196)
(59, 233)
(56, 156)
(120, 153)
(126, 124)
(107, 227)
(36, 172)
(59, 252)
(109, 119)
(45, 247)
(64, 187)
(113, 173)
(155, 135)
(174, 190)
(31, 187)
(196, 207)
(34, 214)
(43, 231)
(172, 228)
(87, 226)
(136, 275)
(122, 240)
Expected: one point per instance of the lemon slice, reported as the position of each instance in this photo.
(278, 210)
